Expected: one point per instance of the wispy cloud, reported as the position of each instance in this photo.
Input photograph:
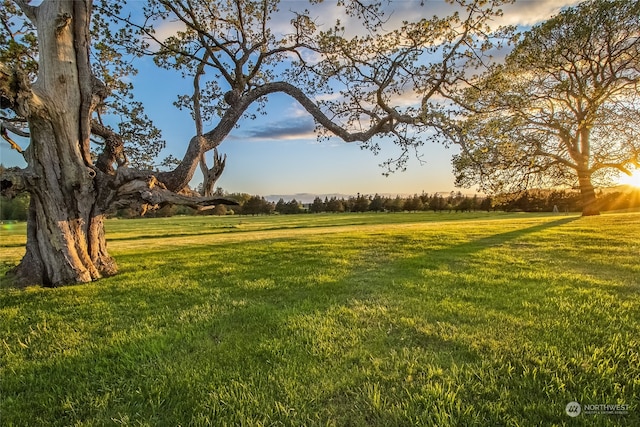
(291, 128)
(521, 13)
(530, 12)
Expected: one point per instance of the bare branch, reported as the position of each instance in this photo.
(5, 136)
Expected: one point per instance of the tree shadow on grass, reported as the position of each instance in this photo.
(501, 238)
(572, 262)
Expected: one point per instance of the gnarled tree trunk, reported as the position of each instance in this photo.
(583, 160)
(65, 232)
(588, 195)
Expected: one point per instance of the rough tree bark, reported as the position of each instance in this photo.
(582, 158)
(65, 235)
(212, 174)
(587, 194)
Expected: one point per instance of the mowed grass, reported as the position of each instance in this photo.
(359, 320)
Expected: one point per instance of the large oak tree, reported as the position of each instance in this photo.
(563, 109)
(62, 75)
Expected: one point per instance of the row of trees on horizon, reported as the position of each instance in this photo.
(530, 201)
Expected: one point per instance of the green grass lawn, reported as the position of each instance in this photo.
(355, 319)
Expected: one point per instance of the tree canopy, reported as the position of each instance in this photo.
(563, 108)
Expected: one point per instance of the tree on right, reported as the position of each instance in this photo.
(562, 109)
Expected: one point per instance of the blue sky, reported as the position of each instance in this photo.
(278, 154)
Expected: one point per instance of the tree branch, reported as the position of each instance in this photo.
(15, 90)
(144, 194)
(81, 37)
(14, 181)
(4, 127)
(384, 125)
(113, 151)
(178, 178)
(29, 11)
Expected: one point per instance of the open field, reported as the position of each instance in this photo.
(354, 319)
